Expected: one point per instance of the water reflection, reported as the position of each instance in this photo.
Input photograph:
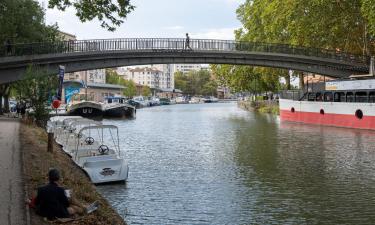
(216, 164)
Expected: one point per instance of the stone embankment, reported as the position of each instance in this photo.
(260, 106)
(37, 161)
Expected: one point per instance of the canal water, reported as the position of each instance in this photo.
(218, 164)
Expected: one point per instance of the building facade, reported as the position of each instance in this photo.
(152, 77)
(185, 68)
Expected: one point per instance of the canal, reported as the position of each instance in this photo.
(218, 164)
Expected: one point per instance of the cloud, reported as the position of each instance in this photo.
(217, 33)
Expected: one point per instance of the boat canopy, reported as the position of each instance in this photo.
(102, 135)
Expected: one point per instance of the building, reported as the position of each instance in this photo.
(148, 76)
(74, 90)
(66, 36)
(185, 68)
(75, 87)
(90, 76)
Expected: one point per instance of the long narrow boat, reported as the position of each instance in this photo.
(117, 107)
(345, 103)
(88, 109)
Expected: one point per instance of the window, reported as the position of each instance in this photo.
(328, 97)
(349, 97)
(339, 97)
(361, 96)
(371, 97)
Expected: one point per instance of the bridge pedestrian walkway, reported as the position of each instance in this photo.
(12, 204)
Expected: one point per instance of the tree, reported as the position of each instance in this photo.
(180, 81)
(36, 88)
(146, 91)
(112, 77)
(130, 89)
(22, 21)
(347, 26)
(195, 83)
(109, 12)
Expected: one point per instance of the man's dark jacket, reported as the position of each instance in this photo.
(51, 202)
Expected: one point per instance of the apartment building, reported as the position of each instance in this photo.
(153, 77)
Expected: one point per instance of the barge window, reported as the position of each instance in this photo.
(349, 97)
(328, 97)
(339, 97)
(311, 97)
(361, 96)
(371, 96)
(319, 97)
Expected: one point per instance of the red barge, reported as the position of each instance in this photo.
(340, 103)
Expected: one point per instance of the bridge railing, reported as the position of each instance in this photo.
(168, 44)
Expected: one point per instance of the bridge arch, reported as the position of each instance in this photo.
(96, 54)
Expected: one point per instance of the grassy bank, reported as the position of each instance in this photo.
(260, 106)
(37, 161)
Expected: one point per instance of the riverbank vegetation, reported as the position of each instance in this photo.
(262, 106)
(346, 26)
(196, 83)
(36, 163)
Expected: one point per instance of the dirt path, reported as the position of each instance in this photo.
(12, 207)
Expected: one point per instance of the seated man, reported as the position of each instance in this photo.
(52, 202)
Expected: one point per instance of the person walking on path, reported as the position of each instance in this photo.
(12, 207)
(187, 42)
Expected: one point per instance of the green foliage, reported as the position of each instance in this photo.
(113, 78)
(146, 91)
(196, 83)
(247, 78)
(23, 21)
(131, 89)
(347, 26)
(37, 88)
(109, 12)
(368, 10)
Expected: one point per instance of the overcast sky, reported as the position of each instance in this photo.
(214, 19)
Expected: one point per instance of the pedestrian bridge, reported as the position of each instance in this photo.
(106, 53)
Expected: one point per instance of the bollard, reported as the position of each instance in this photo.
(50, 142)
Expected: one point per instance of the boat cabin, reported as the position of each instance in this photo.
(121, 100)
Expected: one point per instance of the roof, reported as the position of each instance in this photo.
(101, 85)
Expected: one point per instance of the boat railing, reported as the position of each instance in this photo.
(295, 95)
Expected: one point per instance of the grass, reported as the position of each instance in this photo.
(37, 161)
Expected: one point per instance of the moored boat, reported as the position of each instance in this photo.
(88, 109)
(345, 103)
(117, 107)
(98, 154)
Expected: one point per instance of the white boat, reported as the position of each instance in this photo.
(141, 101)
(100, 155)
(56, 122)
(72, 137)
(195, 100)
(65, 129)
(181, 100)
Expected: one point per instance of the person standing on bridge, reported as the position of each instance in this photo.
(187, 42)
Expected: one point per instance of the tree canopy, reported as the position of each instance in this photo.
(196, 83)
(109, 12)
(23, 21)
(113, 78)
(347, 26)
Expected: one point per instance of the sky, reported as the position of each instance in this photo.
(206, 19)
